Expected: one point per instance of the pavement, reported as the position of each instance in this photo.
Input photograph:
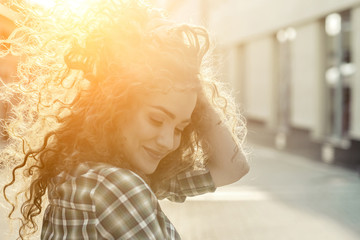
(284, 197)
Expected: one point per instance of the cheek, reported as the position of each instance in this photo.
(134, 129)
(143, 129)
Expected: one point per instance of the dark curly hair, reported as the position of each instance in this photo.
(79, 75)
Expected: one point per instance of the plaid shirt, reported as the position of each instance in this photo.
(100, 201)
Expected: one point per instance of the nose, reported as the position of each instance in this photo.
(166, 139)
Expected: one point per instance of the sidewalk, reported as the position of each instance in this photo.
(284, 197)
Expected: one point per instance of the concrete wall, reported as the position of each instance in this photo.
(189, 11)
(259, 78)
(306, 72)
(259, 17)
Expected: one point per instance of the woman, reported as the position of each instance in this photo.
(117, 109)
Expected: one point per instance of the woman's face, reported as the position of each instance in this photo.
(154, 129)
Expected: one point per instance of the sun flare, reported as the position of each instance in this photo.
(78, 7)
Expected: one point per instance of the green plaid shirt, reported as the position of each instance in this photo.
(100, 201)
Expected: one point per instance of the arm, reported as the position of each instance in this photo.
(227, 162)
(187, 184)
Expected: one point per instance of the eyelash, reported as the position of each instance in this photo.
(158, 123)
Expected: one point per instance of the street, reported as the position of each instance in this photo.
(284, 197)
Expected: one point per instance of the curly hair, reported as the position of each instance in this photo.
(80, 75)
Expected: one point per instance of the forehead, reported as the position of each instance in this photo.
(180, 103)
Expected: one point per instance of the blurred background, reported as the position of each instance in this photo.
(294, 67)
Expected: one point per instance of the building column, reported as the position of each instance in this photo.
(355, 97)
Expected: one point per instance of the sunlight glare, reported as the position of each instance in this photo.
(43, 3)
(77, 6)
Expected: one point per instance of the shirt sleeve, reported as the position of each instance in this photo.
(126, 208)
(187, 184)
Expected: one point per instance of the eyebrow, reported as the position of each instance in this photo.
(170, 114)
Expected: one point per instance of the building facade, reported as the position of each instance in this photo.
(294, 64)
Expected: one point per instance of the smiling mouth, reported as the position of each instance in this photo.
(154, 154)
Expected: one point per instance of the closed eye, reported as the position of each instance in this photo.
(156, 122)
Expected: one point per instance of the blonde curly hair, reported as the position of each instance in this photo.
(79, 75)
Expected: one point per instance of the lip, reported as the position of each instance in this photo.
(154, 154)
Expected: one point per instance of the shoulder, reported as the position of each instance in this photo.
(105, 172)
(94, 186)
(115, 183)
(122, 178)
(121, 192)
(90, 177)
(90, 183)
